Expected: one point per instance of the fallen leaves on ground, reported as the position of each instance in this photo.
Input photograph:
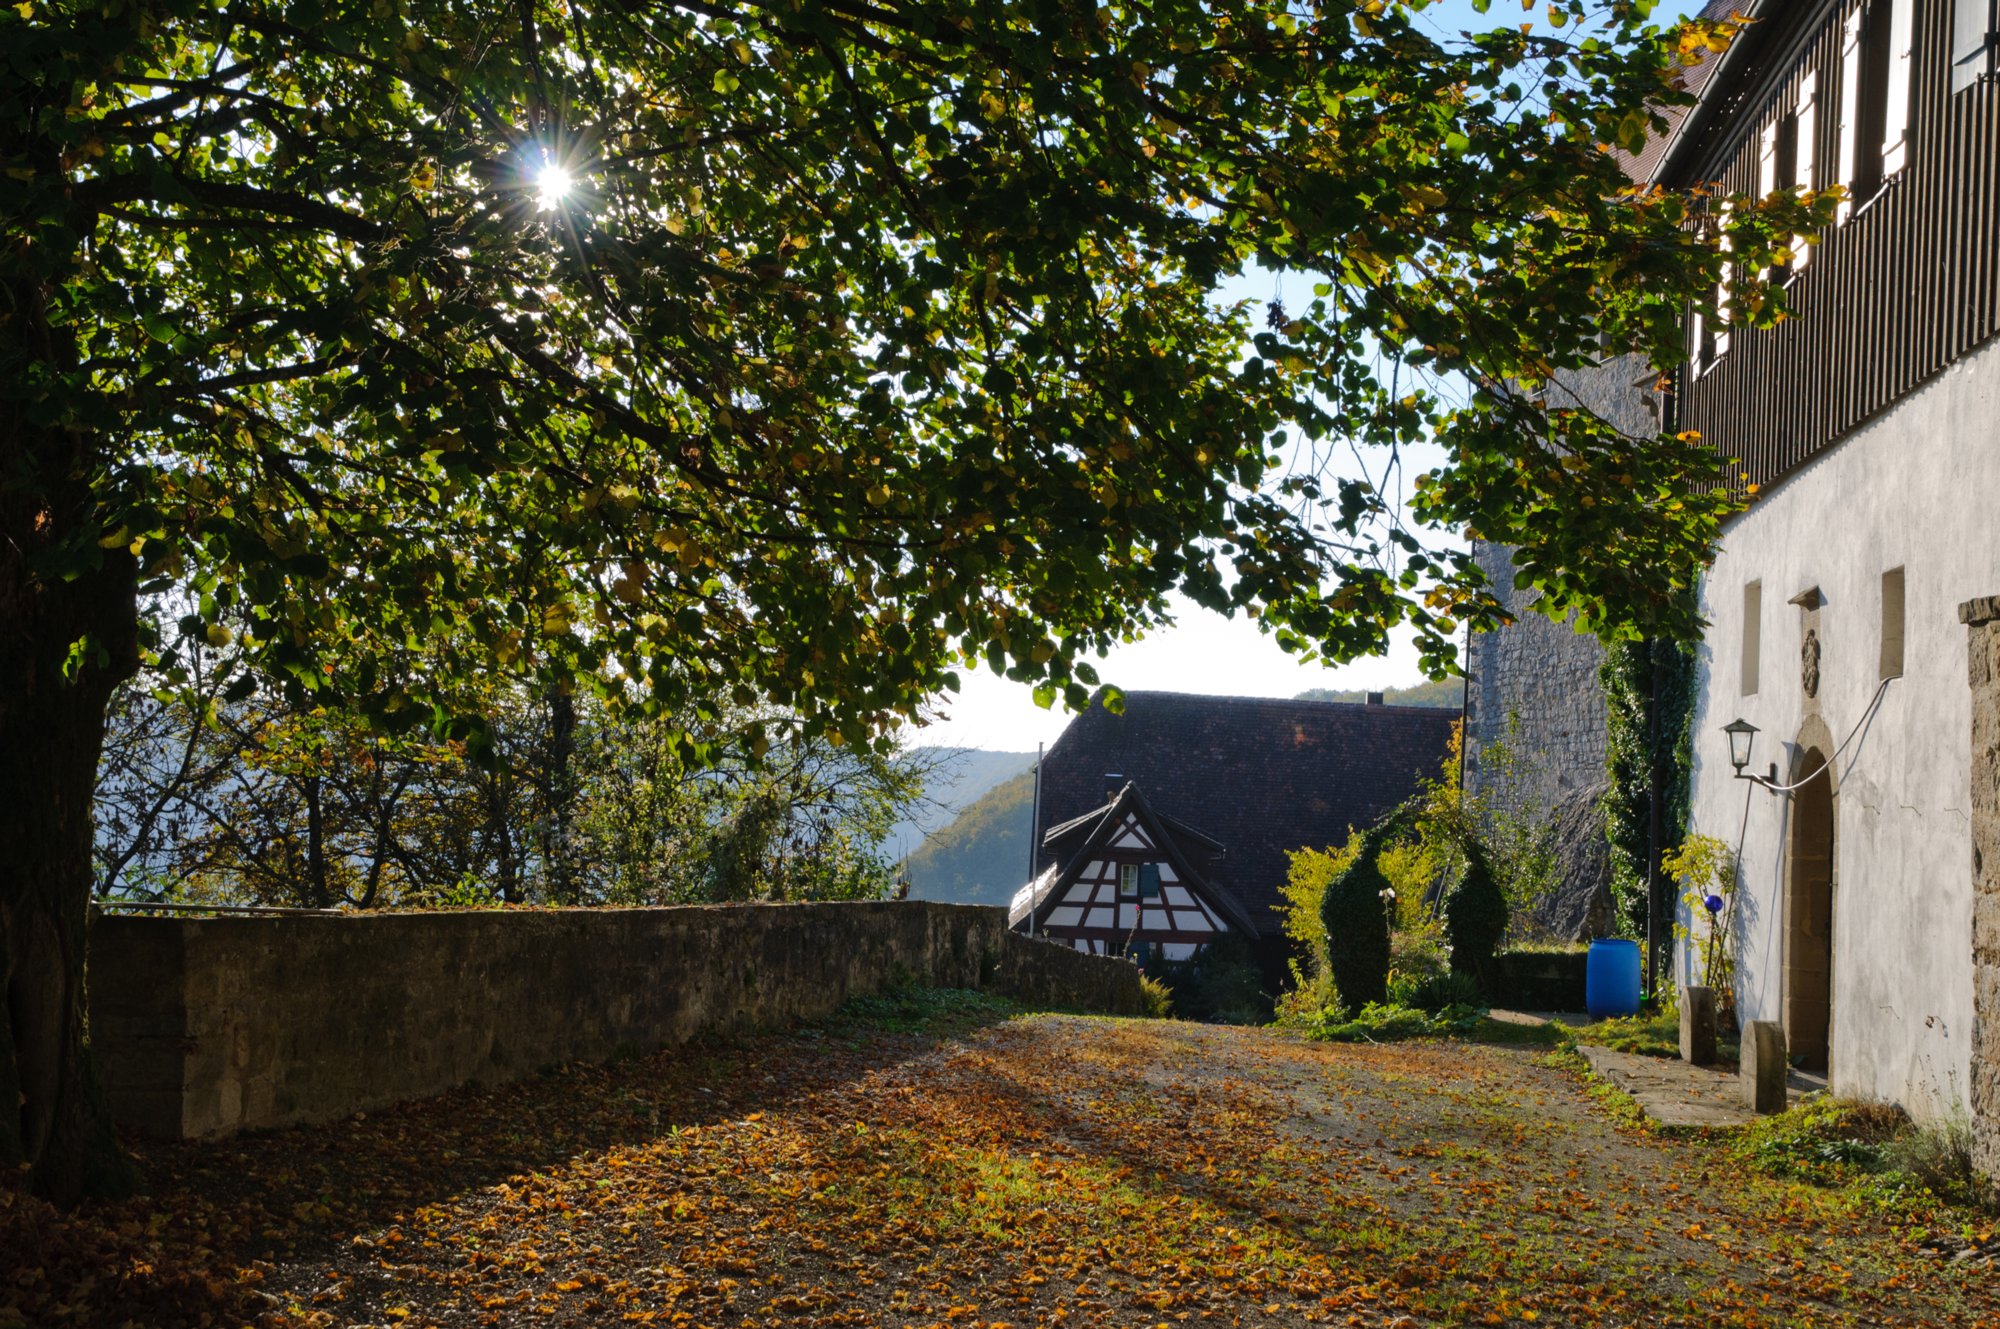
(983, 1172)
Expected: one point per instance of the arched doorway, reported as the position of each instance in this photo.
(1809, 876)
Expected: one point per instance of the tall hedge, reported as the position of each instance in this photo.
(1475, 914)
(1357, 924)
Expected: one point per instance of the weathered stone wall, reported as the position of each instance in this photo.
(1982, 619)
(208, 1025)
(1533, 686)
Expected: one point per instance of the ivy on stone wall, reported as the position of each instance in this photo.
(1630, 674)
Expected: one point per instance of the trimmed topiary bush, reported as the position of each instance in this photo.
(1357, 923)
(1475, 914)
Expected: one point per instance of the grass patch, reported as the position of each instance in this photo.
(1656, 1035)
(1870, 1149)
(922, 1010)
(1642, 1034)
(1509, 1033)
(1376, 1023)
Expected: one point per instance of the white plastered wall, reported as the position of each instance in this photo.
(1918, 488)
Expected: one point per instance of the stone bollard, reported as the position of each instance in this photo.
(1698, 1026)
(1764, 1067)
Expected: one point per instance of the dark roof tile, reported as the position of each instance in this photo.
(1263, 776)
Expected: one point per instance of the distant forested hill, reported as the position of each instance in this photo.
(982, 856)
(958, 777)
(1448, 692)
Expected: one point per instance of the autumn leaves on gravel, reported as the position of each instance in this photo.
(939, 1160)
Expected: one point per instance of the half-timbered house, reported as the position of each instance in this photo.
(1167, 826)
(1128, 881)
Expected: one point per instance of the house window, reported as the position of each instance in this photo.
(1718, 340)
(1892, 623)
(1972, 23)
(1875, 61)
(1128, 881)
(1778, 168)
(1753, 628)
(1804, 141)
(1708, 338)
(1149, 881)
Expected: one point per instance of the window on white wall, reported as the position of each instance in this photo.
(1892, 623)
(1753, 635)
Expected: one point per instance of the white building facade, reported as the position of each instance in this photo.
(1840, 602)
(1878, 539)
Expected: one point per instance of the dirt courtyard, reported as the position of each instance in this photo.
(952, 1166)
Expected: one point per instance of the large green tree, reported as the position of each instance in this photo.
(778, 351)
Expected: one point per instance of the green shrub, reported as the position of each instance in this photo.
(1357, 922)
(1159, 998)
(1475, 914)
(1432, 993)
(1938, 1157)
(1311, 998)
(1377, 1023)
(1825, 1141)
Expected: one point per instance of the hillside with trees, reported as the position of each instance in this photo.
(953, 779)
(982, 856)
(1448, 693)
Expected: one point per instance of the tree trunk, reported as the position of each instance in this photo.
(560, 787)
(67, 636)
(499, 790)
(316, 893)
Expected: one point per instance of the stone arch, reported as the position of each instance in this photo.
(1811, 877)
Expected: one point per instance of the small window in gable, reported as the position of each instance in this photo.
(1972, 23)
(1128, 880)
(1753, 616)
(1892, 623)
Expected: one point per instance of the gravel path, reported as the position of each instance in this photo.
(1044, 1170)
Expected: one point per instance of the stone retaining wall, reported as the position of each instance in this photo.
(203, 1026)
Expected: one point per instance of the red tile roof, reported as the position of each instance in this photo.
(1645, 167)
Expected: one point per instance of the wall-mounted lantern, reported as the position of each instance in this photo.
(1742, 734)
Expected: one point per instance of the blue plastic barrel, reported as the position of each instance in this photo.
(1611, 978)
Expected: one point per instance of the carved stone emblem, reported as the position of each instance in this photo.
(1809, 662)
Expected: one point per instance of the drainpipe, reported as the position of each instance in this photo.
(1034, 838)
(1654, 825)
